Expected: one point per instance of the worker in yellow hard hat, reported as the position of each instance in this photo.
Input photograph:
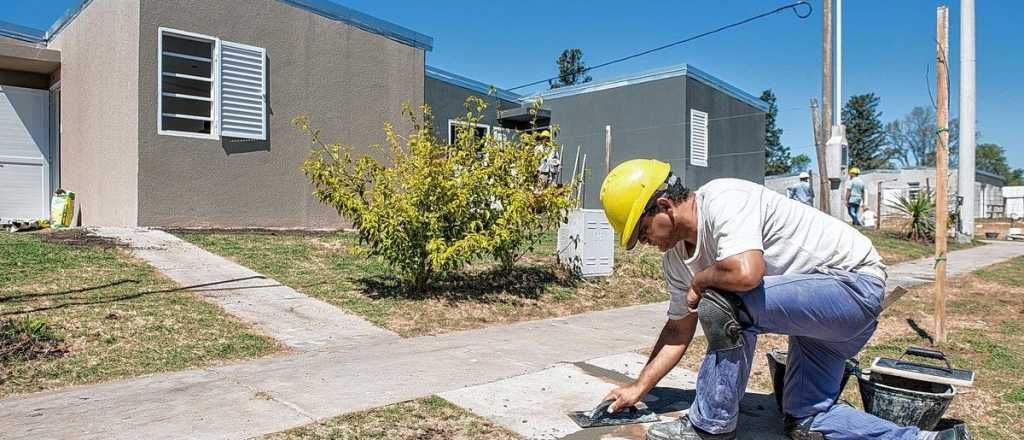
(854, 195)
(741, 260)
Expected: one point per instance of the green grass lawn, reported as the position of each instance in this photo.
(324, 266)
(116, 316)
(431, 418)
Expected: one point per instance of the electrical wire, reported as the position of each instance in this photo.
(792, 6)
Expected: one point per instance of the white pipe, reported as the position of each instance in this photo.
(837, 110)
(965, 179)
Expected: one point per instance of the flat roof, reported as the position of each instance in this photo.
(322, 8)
(654, 75)
(469, 83)
(21, 33)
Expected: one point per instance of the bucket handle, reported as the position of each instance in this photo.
(926, 353)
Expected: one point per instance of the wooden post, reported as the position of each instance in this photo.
(820, 138)
(607, 149)
(941, 166)
(878, 206)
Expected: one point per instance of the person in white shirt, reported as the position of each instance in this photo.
(743, 260)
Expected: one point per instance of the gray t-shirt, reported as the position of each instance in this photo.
(856, 187)
(735, 216)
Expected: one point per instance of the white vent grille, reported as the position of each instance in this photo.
(243, 90)
(698, 138)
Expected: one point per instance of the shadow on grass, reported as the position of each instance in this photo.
(73, 302)
(527, 282)
(33, 296)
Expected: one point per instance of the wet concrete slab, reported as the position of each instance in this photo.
(535, 405)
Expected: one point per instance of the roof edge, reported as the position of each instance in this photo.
(322, 8)
(365, 22)
(654, 75)
(22, 33)
(469, 83)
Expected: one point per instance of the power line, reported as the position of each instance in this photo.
(792, 6)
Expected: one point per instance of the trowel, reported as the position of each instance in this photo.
(599, 416)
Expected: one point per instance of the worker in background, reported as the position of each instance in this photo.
(801, 191)
(743, 260)
(854, 195)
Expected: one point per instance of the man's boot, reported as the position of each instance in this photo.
(682, 429)
(800, 431)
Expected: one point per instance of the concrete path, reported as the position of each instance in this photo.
(917, 272)
(299, 321)
(534, 405)
(270, 395)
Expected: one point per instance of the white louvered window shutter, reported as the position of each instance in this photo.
(698, 138)
(243, 91)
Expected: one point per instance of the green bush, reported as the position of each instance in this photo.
(427, 208)
(918, 214)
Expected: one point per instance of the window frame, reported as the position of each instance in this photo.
(452, 122)
(214, 84)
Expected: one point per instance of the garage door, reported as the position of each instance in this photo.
(24, 153)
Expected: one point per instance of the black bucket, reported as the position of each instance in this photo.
(906, 402)
(777, 369)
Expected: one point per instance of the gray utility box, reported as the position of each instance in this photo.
(586, 243)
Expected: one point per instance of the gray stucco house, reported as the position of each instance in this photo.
(701, 125)
(177, 112)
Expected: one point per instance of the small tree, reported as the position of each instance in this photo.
(800, 163)
(571, 69)
(429, 208)
(776, 155)
(865, 133)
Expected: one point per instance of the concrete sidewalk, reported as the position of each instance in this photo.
(279, 311)
(270, 395)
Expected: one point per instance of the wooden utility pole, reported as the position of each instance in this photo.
(941, 167)
(878, 206)
(607, 149)
(826, 103)
(819, 144)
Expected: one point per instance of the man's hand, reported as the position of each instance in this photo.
(625, 397)
(693, 297)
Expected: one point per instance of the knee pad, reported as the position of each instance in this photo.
(718, 314)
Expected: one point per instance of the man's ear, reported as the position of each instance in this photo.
(665, 203)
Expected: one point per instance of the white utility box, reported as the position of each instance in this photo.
(586, 243)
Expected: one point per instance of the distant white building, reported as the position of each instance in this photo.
(1013, 200)
(988, 188)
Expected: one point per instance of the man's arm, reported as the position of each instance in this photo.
(675, 337)
(738, 273)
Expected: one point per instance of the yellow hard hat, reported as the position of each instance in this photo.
(626, 191)
(855, 170)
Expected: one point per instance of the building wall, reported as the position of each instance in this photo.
(100, 111)
(647, 121)
(347, 80)
(736, 136)
(447, 101)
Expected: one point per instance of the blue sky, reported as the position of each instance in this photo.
(888, 49)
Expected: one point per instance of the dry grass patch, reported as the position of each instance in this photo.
(432, 418)
(115, 316)
(324, 266)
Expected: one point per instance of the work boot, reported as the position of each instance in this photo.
(801, 431)
(683, 429)
(957, 432)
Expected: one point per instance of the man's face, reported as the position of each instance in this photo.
(658, 228)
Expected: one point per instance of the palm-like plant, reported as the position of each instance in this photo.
(918, 214)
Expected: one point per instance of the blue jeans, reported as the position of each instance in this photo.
(829, 318)
(854, 210)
